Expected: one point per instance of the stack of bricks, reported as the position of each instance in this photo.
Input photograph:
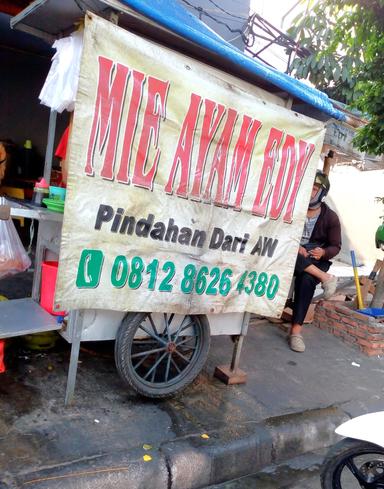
(362, 331)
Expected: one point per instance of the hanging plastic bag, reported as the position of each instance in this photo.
(13, 257)
(60, 87)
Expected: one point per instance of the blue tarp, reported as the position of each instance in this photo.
(172, 15)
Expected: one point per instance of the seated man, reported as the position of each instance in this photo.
(320, 242)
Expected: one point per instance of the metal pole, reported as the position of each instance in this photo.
(360, 303)
(77, 318)
(239, 343)
(50, 143)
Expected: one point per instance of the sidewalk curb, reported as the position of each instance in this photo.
(245, 449)
(194, 461)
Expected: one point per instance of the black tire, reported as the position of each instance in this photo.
(344, 453)
(180, 357)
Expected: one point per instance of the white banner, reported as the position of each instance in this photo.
(187, 189)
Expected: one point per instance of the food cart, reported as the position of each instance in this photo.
(189, 178)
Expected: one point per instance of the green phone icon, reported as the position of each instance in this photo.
(89, 270)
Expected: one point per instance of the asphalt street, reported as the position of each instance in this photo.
(302, 472)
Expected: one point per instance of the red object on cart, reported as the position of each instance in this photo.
(48, 286)
(61, 153)
(61, 150)
(2, 364)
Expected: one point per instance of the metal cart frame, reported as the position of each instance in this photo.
(75, 331)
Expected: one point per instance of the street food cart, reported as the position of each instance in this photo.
(189, 179)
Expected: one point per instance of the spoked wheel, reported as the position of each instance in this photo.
(354, 464)
(160, 354)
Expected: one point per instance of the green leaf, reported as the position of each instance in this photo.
(347, 42)
(345, 75)
(321, 63)
(337, 72)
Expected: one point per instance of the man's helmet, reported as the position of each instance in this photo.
(322, 181)
(379, 237)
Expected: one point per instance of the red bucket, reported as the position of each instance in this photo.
(48, 287)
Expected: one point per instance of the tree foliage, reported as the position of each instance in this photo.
(346, 39)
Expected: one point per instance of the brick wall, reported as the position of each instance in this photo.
(363, 332)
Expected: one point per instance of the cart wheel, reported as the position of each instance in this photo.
(159, 355)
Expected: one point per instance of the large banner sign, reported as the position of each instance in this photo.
(187, 188)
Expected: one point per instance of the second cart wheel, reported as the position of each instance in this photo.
(158, 355)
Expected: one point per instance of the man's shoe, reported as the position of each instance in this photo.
(329, 287)
(296, 343)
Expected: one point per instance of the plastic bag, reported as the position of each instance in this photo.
(13, 257)
(60, 87)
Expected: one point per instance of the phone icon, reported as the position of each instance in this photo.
(89, 270)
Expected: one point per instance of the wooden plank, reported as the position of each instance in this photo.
(230, 377)
(368, 281)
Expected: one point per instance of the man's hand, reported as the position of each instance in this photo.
(317, 253)
(303, 251)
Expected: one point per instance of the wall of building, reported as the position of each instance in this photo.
(22, 115)
(352, 196)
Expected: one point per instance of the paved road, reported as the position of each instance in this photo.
(300, 473)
